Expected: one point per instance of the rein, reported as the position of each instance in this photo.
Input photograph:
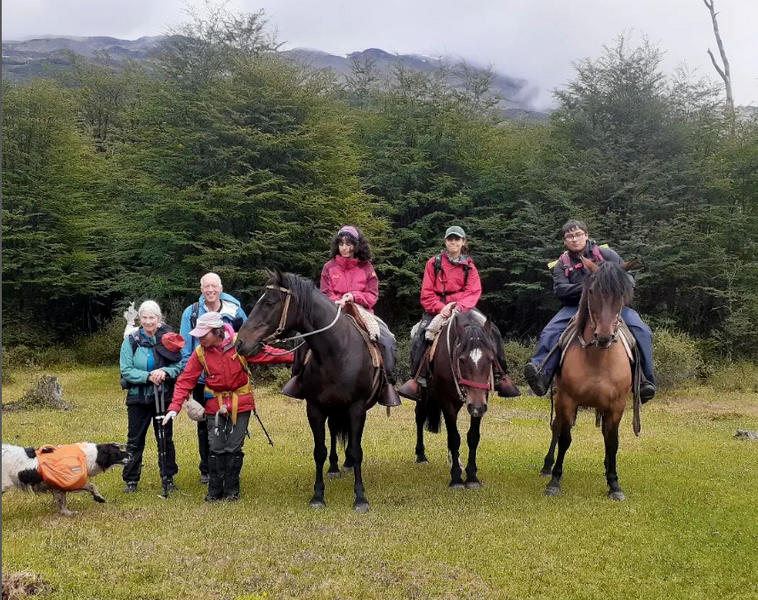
(273, 338)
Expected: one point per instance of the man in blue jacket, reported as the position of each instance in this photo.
(212, 299)
(568, 279)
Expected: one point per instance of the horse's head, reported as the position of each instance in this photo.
(605, 293)
(274, 313)
(473, 356)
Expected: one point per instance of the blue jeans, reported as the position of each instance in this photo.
(557, 325)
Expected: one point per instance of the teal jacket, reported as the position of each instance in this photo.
(136, 366)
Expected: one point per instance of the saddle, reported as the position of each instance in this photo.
(368, 326)
(572, 332)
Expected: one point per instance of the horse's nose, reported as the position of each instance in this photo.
(477, 411)
(603, 342)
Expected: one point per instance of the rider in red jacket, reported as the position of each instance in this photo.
(451, 281)
(227, 413)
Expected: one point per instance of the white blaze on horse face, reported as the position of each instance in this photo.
(476, 356)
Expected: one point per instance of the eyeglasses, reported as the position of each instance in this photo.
(574, 236)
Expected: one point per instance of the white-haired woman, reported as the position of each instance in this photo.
(150, 358)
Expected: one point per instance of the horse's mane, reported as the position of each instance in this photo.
(307, 294)
(611, 282)
(473, 331)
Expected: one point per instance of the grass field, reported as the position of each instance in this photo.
(688, 529)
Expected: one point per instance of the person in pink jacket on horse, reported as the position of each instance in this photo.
(349, 276)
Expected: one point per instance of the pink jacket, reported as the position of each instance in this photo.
(450, 282)
(342, 275)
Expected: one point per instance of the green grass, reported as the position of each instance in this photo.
(688, 529)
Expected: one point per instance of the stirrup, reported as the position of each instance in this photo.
(506, 388)
(294, 388)
(388, 396)
(409, 390)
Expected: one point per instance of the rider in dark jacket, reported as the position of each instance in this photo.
(568, 280)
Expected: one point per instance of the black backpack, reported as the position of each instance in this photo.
(438, 268)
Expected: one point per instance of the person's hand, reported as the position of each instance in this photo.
(347, 298)
(170, 416)
(157, 376)
(448, 310)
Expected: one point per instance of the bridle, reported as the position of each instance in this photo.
(614, 335)
(455, 357)
(274, 337)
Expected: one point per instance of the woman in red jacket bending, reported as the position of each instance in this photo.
(350, 277)
(227, 413)
(451, 281)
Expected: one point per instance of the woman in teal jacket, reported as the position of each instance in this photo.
(146, 366)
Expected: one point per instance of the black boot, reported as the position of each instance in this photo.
(537, 380)
(233, 467)
(647, 391)
(215, 477)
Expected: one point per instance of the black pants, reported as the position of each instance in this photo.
(419, 344)
(139, 418)
(198, 394)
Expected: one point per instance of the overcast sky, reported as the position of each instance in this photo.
(533, 39)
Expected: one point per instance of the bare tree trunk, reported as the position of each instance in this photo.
(725, 73)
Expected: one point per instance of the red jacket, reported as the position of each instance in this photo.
(225, 374)
(450, 281)
(342, 275)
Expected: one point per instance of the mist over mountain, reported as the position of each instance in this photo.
(38, 57)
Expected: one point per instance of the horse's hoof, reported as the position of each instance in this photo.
(552, 491)
(618, 495)
(545, 473)
(422, 460)
(333, 474)
(317, 504)
(360, 507)
(456, 486)
(474, 485)
(346, 469)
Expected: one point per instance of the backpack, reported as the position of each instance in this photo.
(62, 467)
(193, 314)
(438, 268)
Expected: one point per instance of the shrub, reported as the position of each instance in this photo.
(103, 347)
(517, 354)
(733, 377)
(677, 358)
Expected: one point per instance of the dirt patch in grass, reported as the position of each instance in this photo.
(23, 584)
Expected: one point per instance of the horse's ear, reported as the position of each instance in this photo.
(589, 265)
(488, 326)
(631, 264)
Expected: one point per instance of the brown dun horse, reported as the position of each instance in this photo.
(461, 373)
(339, 381)
(595, 371)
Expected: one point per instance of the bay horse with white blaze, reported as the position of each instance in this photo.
(595, 371)
(340, 382)
(461, 373)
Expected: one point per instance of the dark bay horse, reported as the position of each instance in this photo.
(595, 370)
(461, 373)
(339, 380)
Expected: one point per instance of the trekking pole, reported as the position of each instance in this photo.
(270, 441)
(159, 410)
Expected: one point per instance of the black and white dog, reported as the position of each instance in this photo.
(20, 470)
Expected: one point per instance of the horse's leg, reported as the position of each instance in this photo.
(562, 430)
(334, 465)
(611, 435)
(355, 452)
(547, 467)
(453, 446)
(420, 418)
(472, 438)
(317, 420)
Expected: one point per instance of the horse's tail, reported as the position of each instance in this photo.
(433, 415)
(339, 424)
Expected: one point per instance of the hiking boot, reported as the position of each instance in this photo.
(204, 479)
(537, 380)
(232, 497)
(409, 390)
(294, 388)
(172, 486)
(131, 487)
(506, 388)
(210, 498)
(388, 396)
(647, 391)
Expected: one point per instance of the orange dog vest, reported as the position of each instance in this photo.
(63, 467)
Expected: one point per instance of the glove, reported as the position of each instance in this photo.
(170, 415)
